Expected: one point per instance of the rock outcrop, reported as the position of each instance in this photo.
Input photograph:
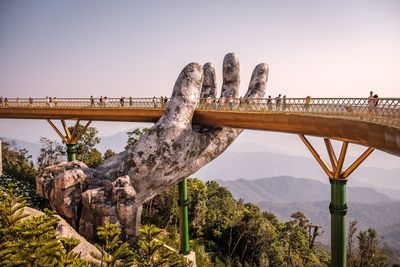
(169, 152)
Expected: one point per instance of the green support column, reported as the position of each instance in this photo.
(338, 210)
(71, 152)
(183, 217)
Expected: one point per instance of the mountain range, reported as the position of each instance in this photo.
(285, 195)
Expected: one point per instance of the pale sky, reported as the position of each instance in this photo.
(138, 48)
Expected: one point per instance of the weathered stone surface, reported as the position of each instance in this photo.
(171, 151)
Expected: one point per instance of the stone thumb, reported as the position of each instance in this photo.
(184, 98)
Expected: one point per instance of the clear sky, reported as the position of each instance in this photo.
(137, 48)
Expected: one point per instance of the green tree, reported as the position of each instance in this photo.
(17, 162)
(108, 154)
(350, 250)
(69, 258)
(134, 135)
(152, 251)
(368, 252)
(31, 240)
(20, 171)
(51, 152)
(114, 252)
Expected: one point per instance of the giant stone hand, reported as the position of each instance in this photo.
(169, 152)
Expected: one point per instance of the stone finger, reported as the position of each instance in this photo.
(209, 81)
(184, 99)
(258, 81)
(231, 76)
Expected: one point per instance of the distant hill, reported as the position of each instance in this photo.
(286, 195)
(33, 148)
(286, 189)
(255, 165)
(384, 217)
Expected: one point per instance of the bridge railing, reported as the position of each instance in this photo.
(380, 110)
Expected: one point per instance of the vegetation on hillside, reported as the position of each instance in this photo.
(233, 233)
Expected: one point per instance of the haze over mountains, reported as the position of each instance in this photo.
(286, 195)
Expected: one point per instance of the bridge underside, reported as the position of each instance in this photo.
(370, 134)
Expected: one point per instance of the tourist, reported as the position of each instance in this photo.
(269, 102)
(154, 102)
(165, 101)
(130, 101)
(376, 104)
(91, 101)
(30, 101)
(47, 101)
(105, 101)
(278, 101)
(50, 101)
(6, 101)
(101, 101)
(371, 102)
(308, 102)
(122, 101)
(1, 101)
(55, 100)
(284, 102)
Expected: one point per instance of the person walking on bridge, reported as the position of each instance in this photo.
(269, 102)
(278, 102)
(91, 101)
(375, 103)
(308, 102)
(371, 102)
(284, 102)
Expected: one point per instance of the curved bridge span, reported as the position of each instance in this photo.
(353, 120)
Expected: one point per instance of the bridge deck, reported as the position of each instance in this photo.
(354, 120)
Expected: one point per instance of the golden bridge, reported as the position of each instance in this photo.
(374, 123)
(346, 119)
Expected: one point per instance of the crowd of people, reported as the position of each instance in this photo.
(279, 103)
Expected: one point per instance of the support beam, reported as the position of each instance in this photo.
(79, 134)
(338, 206)
(70, 139)
(357, 163)
(75, 127)
(57, 131)
(183, 217)
(331, 153)
(338, 210)
(338, 170)
(321, 162)
(68, 134)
